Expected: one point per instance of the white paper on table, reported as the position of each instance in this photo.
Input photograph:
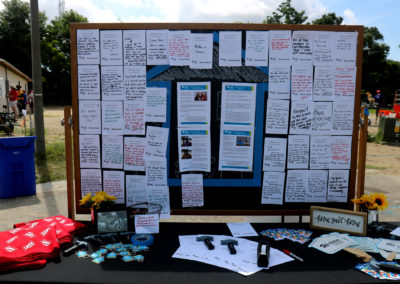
(340, 152)
(192, 190)
(87, 46)
(89, 117)
(321, 123)
(338, 185)
(230, 48)
(147, 224)
(330, 244)
(238, 104)
(298, 151)
(88, 82)
(324, 48)
(157, 47)
(243, 229)
(346, 48)
(302, 46)
(301, 116)
(396, 232)
(156, 105)
(112, 118)
(179, 48)
(194, 146)
(112, 83)
(112, 152)
(89, 151)
(134, 82)
(91, 181)
(302, 82)
(257, 48)
(111, 47)
(194, 103)
(279, 82)
(280, 47)
(236, 149)
(201, 50)
(136, 189)
(345, 83)
(317, 186)
(342, 118)
(272, 188)
(389, 245)
(274, 154)
(156, 142)
(296, 186)
(320, 152)
(134, 47)
(277, 117)
(134, 121)
(134, 153)
(324, 83)
(114, 184)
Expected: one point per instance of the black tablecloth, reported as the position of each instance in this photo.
(160, 267)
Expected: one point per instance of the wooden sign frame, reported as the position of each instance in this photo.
(335, 218)
(214, 207)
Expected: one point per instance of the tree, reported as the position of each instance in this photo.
(328, 19)
(289, 14)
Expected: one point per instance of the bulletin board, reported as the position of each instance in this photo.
(237, 192)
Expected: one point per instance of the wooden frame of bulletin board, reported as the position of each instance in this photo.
(225, 193)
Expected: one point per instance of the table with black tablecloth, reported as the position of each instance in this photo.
(160, 267)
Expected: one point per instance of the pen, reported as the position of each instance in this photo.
(293, 255)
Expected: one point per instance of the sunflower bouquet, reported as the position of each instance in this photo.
(374, 201)
(100, 200)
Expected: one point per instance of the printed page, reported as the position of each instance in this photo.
(194, 149)
(156, 142)
(277, 117)
(279, 82)
(302, 82)
(135, 189)
(324, 48)
(346, 48)
(88, 82)
(111, 47)
(317, 185)
(238, 104)
(134, 82)
(134, 120)
(324, 83)
(89, 117)
(274, 154)
(296, 186)
(114, 184)
(342, 118)
(192, 190)
(179, 48)
(301, 117)
(194, 103)
(112, 83)
(112, 118)
(321, 123)
(89, 151)
(87, 46)
(134, 47)
(302, 47)
(298, 151)
(320, 152)
(156, 105)
(345, 83)
(157, 47)
(112, 152)
(280, 47)
(338, 185)
(340, 152)
(134, 153)
(91, 181)
(272, 189)
(230, 48)
(257, 48)
(201, 51)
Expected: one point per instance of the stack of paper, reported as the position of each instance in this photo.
(332, 243)
(243, 262)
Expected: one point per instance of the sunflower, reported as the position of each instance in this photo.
(100, 200)
(380, 201)
(372, 201)
(85, 199)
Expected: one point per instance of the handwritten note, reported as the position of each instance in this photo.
(157, 47)
(321, 123)
(147, 224)
(298, 151)
(274, 154)
(111, 47)
(134, 82)
(192, 190)
(156, 142)
(302, 82)
(277, 117)
(156, 105)
(156, 182)
(89, 117)
(301, 117)
(134, 47)
(338, 185)
(134, 120)
(90, 181)
(87, 46)
(296, 186)
(302, 46)
(160, 195)
(280, 47)
(134, 153)
(201, 51)
(113, 184)
(112, 83)
(320, 152)
(88, 82)
(135, 189)
(324, 83)
(279, 82)
(112, 118)
(230, 48)
(89, 151)
(342, 118)
(345, 83)
(317, 185)
(346, 48)
(324, 48)
(257, 48)
(112, 152)
(179, 48)
(340, 152)
(272, 189)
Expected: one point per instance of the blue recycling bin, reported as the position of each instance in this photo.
(17, 166)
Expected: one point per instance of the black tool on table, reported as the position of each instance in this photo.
(207, 240)
(96, 238)
(384, 266)
(72, 249)
(231, 245)
(263, 253)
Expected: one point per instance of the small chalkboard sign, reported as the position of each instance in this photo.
(339, 220)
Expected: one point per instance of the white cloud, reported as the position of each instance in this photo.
(349, 18)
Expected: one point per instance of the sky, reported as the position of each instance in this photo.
(382, 14)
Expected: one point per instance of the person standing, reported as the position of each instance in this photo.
(30, 100)
(13, 98)
(378, 100)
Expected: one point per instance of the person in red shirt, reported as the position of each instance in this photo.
(13, 97)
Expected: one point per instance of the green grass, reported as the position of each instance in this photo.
(51, 168)
(375, 167)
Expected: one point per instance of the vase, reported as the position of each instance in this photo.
(372, 217)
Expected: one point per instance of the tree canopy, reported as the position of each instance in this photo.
(286, 14)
